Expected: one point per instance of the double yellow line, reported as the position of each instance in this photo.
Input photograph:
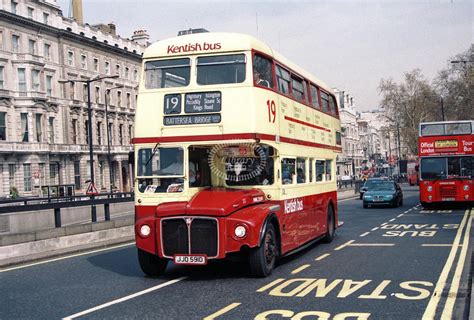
(430, 311)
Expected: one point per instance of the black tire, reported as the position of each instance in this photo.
(395, 203)
(365, 205)
(331, 225)
(401, 201)
(151, 264)
(360, 196)
(262, 259)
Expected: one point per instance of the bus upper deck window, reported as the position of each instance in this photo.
(325, 101)
(262, 71)
(167, 73)
(221, 69)
(283, 80)
(314, 97)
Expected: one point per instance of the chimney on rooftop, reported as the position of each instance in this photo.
(77, 11)
(141, 37)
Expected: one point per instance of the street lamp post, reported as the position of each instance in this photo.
(89, 116)
(107, 97)
(442, 107)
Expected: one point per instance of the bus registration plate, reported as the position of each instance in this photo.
(190, 259)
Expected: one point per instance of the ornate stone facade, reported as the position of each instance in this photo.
(43, 123)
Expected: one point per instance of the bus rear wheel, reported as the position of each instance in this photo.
(331, 225)
(262, 259)
(151, 264)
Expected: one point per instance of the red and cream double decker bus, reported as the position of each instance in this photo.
(446, 158)
(235, 150)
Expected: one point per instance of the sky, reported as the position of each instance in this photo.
(349, 45)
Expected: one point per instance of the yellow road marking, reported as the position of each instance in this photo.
(364, 234)
(322, 257)
(222, 311)
(453, 291)
(300, 268)
(430, 310)
(344, 245)
(271, 284)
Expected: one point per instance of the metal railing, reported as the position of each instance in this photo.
(57, 203)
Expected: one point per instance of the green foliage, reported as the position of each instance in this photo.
(14, 193)
(416, 100)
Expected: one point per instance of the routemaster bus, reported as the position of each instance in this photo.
(235, 150)
(446, 156)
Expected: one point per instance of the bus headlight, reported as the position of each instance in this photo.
(466, 197)
(466, 188)
(145, 230)
(240, 231)
(430, 197)
(430, 188)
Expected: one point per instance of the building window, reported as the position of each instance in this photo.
(27, 177)
(47, 52)
(130, 132)
(74, 131)
(1, 40)
(121, 134)
(45, 18)
(24, 127)
(53, 173)
(96, 64)
(42, 174)
(101, 173)
(99, 132)
(30, 13)
(49, 86)
(111, 130)
(15, 43)
(126, 74)
(3, 126)
(21, 80)
(51, 130)
(39, 127)
(14, 6)
(86, 123)
(2, 86)
(31, 46)
(97, 95)
(11, 174)
(117, 69)
(70, 58)
(129, 100)
(84, 92)
(77, 175)
(135, 75)
(72, 93)
(119, 98)
(107, 67)
(83, 61)
(35, 80)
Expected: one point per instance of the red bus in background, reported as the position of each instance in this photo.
(412, 172)
(446, 155)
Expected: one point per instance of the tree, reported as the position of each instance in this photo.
(407, 104)
(456, 85)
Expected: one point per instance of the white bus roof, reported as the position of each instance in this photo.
(201, 43)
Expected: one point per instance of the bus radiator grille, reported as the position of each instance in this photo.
(447, 191)
(203, 233)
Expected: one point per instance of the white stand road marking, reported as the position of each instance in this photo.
(373, 229)
(137, 294)
(372, 245)
(364, 234)
(344, 245)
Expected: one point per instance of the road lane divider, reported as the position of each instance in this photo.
(222, 311)
(373, 229)
(453, 291)
(344, 245)
(438, 245)
(322, 257)
(371, 245)
(134, 295)
(364, 234)
(400, 215)
(430, 310)
(297, 270)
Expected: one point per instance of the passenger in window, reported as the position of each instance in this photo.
(300, 176)
(259, 80)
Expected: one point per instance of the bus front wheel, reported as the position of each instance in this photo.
(262, 259)
(151, 264)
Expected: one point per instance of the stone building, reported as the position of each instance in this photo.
(43, 123)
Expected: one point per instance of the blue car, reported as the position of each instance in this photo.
(383, 193)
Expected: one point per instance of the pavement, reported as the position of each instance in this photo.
(24, 247)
